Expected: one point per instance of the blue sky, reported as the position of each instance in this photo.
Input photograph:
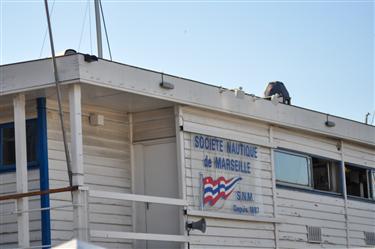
(322, 50)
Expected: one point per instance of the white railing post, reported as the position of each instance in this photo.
(79, 199)
(21, 169)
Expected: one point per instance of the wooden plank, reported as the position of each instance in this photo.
(224, 121)
(138, 198)
(21, 169)
(218, 215)
(139, 236)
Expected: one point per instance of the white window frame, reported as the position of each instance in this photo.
(309, 170)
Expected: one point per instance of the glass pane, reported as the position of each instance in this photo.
(292, 168)
(8, 145)
(373, 183)
(31, 140)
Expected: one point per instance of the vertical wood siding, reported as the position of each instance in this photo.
(8, 224)
(106, 167)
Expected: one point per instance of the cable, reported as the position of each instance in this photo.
(90, 29)
(83, 25)
(57, 81)
(105, 30)
(45, 33)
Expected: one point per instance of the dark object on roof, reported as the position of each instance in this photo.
(277, 87)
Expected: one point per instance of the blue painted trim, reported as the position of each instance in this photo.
(43, 170)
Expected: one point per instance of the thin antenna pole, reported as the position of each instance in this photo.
(57, 81)
(98, 29)
(105, 30)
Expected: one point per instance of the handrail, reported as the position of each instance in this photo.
(139, 236)
(39, 209)
(138, 198)
(34, 193)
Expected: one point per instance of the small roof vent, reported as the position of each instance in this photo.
(277, 87)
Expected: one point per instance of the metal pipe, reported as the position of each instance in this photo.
(57, 81)
(344, 192)
(98, 29)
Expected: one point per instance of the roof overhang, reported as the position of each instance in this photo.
(33, 75)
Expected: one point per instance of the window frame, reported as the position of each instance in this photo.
(12, 167)
(370, 183)
(311, 187)
(309, 171)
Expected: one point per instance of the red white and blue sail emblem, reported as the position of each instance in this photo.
(213, 190)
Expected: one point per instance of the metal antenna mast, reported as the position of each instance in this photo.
(98, 29)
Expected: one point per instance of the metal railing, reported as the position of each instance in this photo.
(138, 235)
(18, 196)
(104, 195)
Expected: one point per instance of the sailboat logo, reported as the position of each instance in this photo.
(213, 190)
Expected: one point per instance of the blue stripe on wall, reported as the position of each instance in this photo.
(43, 170)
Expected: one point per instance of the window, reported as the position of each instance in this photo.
(326, 174)
(7, 145)
(292, 168)
(307, 171)
(359, 181)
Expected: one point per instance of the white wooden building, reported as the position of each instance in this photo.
(147, 158)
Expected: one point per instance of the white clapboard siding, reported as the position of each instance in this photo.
(6, 111)
(106, 157)
(359, 155)
(225, 126)
(361, 216)
(154, 124)
(306, 143)
(300, 209)
(8, 223)
(224, 232)
(233, 234)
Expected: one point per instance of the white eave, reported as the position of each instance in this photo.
(31, 75)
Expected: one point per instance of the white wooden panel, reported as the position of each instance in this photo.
(360, 155)
(301, 209)
(227, 230)
(306, 143)
(106, 159)
(154, 124)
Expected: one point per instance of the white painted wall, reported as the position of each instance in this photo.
(224, 232)
(106, 156)
(155, 124)
(328, 212)
(296, 209)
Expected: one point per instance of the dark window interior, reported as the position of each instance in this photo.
(357, 181)
(326, 174)
(8, 154)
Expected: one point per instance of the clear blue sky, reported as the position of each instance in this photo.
(322, 50)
